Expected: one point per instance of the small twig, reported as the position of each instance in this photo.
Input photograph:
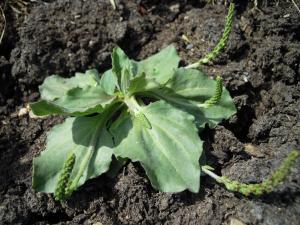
(4, 19)
(113, 3)
(256, 7)
(296, 6)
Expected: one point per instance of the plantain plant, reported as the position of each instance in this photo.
(149, 112)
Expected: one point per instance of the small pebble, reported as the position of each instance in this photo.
(234, 221)
(175, 8)
(23, 111)
(189, 46)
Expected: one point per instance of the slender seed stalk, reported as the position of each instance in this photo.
(221, 44)
(257, 189)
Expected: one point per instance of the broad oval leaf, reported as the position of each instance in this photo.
(55, 86)
(125, 79)
(109, 82)
(162, 149)
(123, 68)
(192, 84)
(76, 102)
(142, 84)
(188, 88)
(160, 66)
(87, 138)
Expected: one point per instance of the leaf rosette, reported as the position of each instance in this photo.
(148, 111)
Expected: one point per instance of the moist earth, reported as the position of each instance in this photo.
(261, 70)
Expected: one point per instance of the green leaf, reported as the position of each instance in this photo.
(109, 82)
(120, 61)
(142, 84)
(169, 151)
(192, 84)
(188, 89)
(44, 108)
(76, 102)
(87, 138)
(160, 66)
(56, 86)
(125, 79)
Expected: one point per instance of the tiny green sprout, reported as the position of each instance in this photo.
(257, 189)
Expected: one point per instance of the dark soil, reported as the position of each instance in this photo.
(261, 70)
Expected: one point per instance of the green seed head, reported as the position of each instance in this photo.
(269, 184)
(64, 176)
(217, 95)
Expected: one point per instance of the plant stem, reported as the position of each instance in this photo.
(132, 104)
(206, 169)
(257, 189)
(135, 110)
